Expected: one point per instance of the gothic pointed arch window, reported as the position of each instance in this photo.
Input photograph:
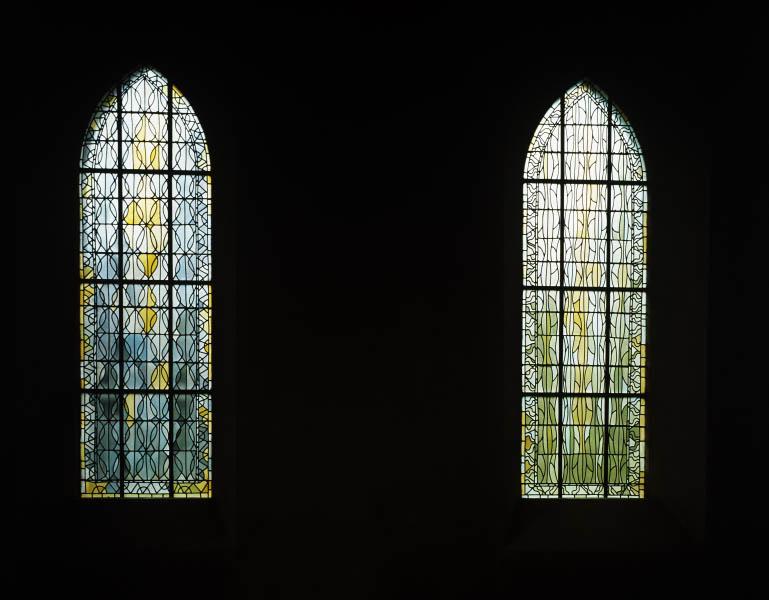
(584, 303)
(145, 295)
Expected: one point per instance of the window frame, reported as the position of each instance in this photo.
(606, 395)
(176, 486)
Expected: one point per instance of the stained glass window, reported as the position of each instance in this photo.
(584, 303)
(145, 295)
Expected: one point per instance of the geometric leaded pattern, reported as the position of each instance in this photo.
(584, 303)
(145, 296)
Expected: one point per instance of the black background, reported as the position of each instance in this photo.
(366, 238)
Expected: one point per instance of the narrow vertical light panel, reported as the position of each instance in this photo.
(145, 289)
(584, 303)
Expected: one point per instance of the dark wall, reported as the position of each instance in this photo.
(367, 308)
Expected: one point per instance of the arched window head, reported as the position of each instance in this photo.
(584, 303)
(145, 295)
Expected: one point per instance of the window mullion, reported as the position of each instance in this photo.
(561, 297)
(121, 267)
(607, 355)
(170, 275)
